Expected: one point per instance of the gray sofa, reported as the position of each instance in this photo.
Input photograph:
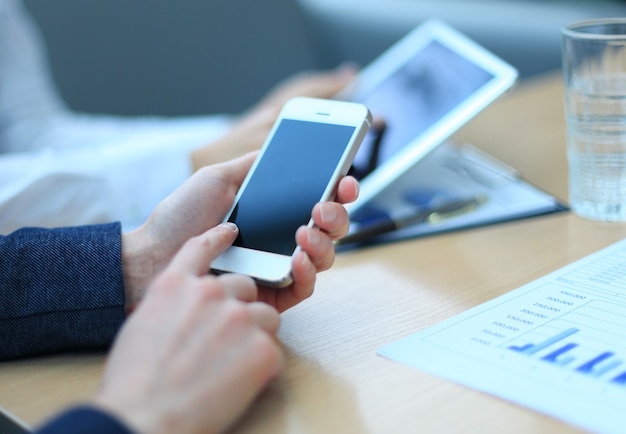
(181, 57)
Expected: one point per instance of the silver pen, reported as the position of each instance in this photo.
(429, 216)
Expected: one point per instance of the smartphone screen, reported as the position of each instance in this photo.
(290, 178)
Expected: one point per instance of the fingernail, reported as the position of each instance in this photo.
(313, 237)
(304, 259)
(229, 226)
(328, 213)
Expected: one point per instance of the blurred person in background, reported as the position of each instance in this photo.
(62, 168)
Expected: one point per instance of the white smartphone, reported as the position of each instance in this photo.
(310, 147)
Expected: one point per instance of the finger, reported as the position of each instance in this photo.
(349, 69)
(333, 81)
(198, 252)
(318, 247)
(347, 190)
(265, 316)
(315, 83)
(304, 274)
(239, 286)
(332, 218)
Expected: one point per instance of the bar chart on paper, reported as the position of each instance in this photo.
(557, 345)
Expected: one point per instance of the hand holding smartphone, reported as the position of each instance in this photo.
(310, 147)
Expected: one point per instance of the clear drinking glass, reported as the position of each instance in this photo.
(594, 69)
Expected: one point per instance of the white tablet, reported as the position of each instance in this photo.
(424, 87)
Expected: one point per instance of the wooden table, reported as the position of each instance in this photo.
(334, 382)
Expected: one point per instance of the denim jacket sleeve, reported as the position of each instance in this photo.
(84, 420)
(60, 289)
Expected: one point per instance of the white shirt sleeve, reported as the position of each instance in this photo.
(60, 168)
(123, 181)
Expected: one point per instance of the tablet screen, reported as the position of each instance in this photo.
(423, 88)
(413, 99)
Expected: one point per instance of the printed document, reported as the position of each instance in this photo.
(556, 345)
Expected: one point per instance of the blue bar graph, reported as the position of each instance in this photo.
(596, 368)
(530, 349)
(553, 357)
(620, 379)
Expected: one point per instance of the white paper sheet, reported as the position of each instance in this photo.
(556, 345)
